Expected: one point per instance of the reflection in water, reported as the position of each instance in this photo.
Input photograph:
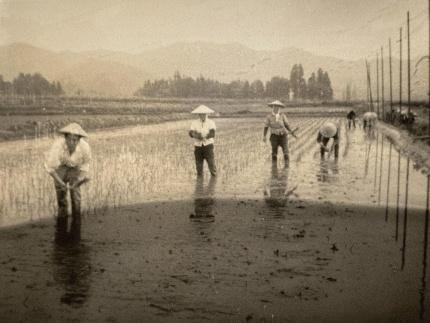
(204, 198)
(276, 193)
(71, 262)
(423, 289)
(388, 181)
(398, 196)
(381, 163)
(329, 170)
(376, 162)
(405, 217)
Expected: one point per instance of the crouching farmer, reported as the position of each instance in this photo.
(68, 164)
(328, 131)
(203, 132)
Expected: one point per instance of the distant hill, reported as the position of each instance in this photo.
(116, 73)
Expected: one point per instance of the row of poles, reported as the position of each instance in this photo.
(380, 100)
(379, 154)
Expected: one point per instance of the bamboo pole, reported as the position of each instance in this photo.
(401, 71)
(409, 69)
(377, 84)
(391, 82)
(382, 85)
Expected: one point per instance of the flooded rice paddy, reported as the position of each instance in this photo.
(323, 240)
(156, 163)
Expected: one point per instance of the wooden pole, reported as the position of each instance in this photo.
(429, 73)
(391, 82)
(382, 84)
(401, 70)
(369, 85)
(409, 69)
(377, 84)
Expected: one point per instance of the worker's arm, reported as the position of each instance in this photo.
(319, 137)
(287, 126)
(211, 134)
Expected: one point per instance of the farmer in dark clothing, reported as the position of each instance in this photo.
(203, 132)
(279, 127)
(351, 118)
(327, 131)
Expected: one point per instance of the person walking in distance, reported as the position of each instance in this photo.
(279, 127)
(203, 132)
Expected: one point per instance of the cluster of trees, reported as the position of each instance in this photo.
(30, 85)
(318, 87)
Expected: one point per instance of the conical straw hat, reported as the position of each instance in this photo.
(328, 129)
(276, 103)
(202, 109)
(74, 129)
(373, 115)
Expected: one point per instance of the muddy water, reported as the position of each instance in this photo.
(315, 242)
(155, 163)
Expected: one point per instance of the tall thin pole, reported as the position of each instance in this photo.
(369, 85)
(377, 84)
(382, 84)
(391, 82)
(429, 72)
(400, 72)
(409, 69)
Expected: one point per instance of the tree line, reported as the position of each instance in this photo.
(317, 87)
(30, 85)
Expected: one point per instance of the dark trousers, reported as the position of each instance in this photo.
(336, 147)
(351, 121)
(68, 175)
(279, 141)
(205, 153)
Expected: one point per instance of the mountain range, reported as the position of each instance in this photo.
(112, 73)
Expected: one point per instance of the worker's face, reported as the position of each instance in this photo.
(202, 116)
(72, 141)
(275, 109)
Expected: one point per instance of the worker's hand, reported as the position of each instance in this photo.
(198, 135)
(264, 139)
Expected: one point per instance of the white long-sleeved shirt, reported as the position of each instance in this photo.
(203, 128)
(59, 155)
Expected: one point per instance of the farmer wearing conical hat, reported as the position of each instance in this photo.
(328, 131)
(203, 132)
(279, 127)
(68, 163)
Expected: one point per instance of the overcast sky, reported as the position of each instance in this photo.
(342, 28)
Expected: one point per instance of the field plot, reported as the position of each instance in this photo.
(310, 243)
(143, 164)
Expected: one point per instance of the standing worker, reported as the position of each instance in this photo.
(328, 131)
(203, 132)
(279, 127)
(351, 118)
(68, 164)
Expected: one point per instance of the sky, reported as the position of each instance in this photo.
(349, 29)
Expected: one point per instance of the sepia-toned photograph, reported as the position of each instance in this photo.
(214, 160)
